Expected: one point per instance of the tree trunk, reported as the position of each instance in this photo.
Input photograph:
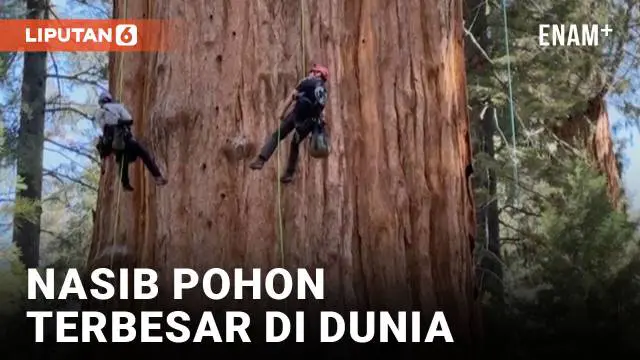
(603, 153)
(388, 215)
(591, 130)
(479, 70)
(26, 229)
(488, 213)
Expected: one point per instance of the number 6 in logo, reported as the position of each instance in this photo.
(126, 35)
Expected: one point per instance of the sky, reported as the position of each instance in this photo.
(631, 171)
(53, 156)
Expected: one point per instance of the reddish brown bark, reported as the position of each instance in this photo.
(388, 215)
(603, 152)
(591, 130)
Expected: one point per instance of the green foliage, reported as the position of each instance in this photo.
(550, 82)
(68, 189)
(12, 282)
(4, 64)
(3, 149)
(570, 260)
(9, 205)
(14, 304)
(578, 287)
(583, 239)
(70, 222)
(9, 9)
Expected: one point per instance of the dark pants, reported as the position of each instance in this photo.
(297, 120)
(132, 151)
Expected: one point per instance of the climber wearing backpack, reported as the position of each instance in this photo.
(115, 122)
(310, 98)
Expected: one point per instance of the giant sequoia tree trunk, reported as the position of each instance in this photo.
(602, 150)
(591, 130)
(388, 215)
(26, 227)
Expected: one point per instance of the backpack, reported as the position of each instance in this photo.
(320, 145)
(120, 136)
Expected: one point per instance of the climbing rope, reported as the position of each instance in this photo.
(115, 223)
(511, 106)
(279, 204)
(279, 172)
(123, 160)
(143, 184)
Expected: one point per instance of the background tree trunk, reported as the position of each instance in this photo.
(389, 215)
(483, 124)
(603, 152)
(591, 130)
(26, 228)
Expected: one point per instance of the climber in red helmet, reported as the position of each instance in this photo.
(310, 97)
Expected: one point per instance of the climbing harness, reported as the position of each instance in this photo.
(511, 106)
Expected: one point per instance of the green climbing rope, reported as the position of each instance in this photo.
(279, 172)
(279, 206)
(123, 161)
(115, 222)
(511, 106)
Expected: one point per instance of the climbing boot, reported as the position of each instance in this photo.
(257, 164)
(160, 181)
(127, 187)
(286, 178)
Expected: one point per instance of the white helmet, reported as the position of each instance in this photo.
(105, 97)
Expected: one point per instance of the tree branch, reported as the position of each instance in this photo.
(55, 67)
(70, 109)
(76, 78)
(74, 150)
(477, 45)
(54, 235)
(62, 177)
(527, 235)
(105, 14)
(520, 210)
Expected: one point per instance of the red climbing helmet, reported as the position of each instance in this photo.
(323, 71)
